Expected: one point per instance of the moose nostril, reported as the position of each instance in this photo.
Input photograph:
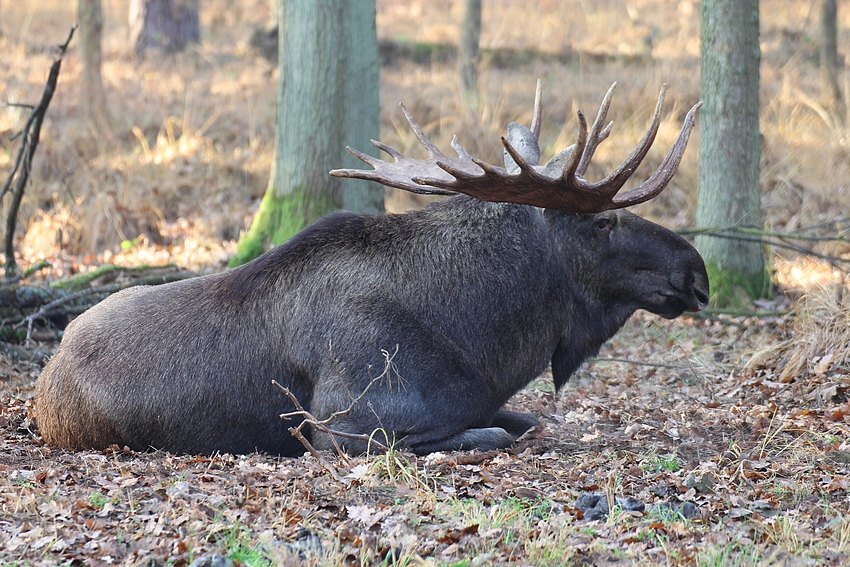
(702, 297)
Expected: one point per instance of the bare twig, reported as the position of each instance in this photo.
(746, 312)
(717, 319)
(30, 134)
(784, 240)
(29, 319)
(322, 425)
(40, 265)
(296, 431)
(146, 276)
(798, 234)
(17, 105)
(641, 363)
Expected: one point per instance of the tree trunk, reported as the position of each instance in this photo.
(730, 149)
(360, 104)
(170, 25)
(830, 90)
(470, 38)
(327, 99)
(93, 102)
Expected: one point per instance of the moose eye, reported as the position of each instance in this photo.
(602, 224)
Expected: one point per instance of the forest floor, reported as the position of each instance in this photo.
(731, 431)
(734, 465)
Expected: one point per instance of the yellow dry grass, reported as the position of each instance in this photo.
(181, 172)
(818, 343)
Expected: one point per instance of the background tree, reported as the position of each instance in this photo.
(829, 51)
(327, 99)
(730, 148)
(170, 25)
(469, 51)
(93, 98)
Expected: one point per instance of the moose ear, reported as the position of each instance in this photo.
(554, 168)
(524, 142)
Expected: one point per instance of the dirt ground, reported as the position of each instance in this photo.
(720, 440)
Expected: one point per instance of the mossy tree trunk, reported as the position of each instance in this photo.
(730, 149)
(93, 102)
(327, 99)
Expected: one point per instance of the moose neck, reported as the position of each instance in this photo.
(588, 320)
(589, 328)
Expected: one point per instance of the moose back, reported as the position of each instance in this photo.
(474, 296)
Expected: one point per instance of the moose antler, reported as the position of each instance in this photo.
(557, 185)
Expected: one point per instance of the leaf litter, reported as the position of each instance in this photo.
(687, 426)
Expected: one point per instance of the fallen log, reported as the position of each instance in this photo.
(35, 314)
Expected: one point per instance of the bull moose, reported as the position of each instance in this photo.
(475, 295)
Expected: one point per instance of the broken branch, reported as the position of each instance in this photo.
(23, 162)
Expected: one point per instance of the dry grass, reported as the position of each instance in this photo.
(818, 342)
(188, 156)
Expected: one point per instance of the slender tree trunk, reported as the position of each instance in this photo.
(169, 25)
(470, 38)
(327, 99)
(829, 52)
(90, 18)
(360, 105)
(730, 148)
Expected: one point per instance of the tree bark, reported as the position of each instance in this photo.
(470, 38)
(93, 102)
(360, 105)
(829, 52)
(327, 99)
(730, 143)
(169, 25)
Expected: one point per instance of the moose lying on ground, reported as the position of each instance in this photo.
(474, 295)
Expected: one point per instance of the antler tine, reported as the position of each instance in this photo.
(558, 185)
(537, 117)
(382, 173)
(517, 157)
(569, 172)
(407, 173)
(597, 133)
(619, 176)
(662, 176)
(460, 175)
(433, 151)
(396, 155)
(373, 161)
(461, 151)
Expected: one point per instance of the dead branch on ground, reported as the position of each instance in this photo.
(322, 425)
(52, 306)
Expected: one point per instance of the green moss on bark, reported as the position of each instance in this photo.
(730, 288)
(278, 219)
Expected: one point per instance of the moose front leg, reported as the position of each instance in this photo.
(481, 439)
(507, 426)
(514, 422)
